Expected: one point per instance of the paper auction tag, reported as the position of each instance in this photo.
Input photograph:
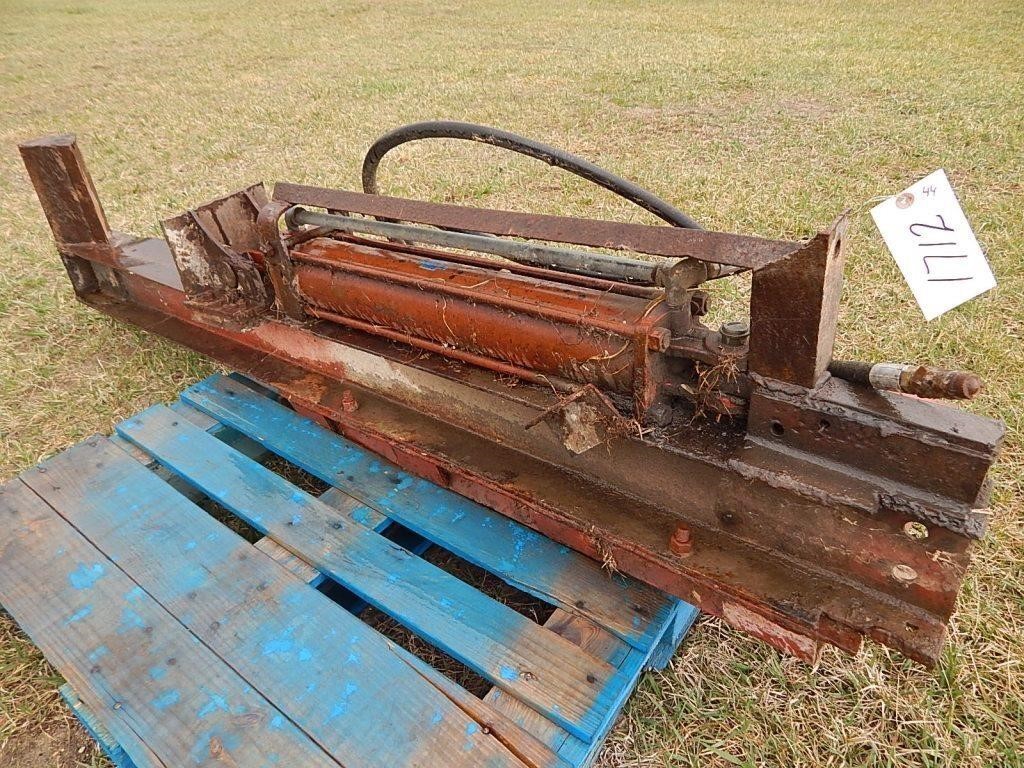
(927, 233)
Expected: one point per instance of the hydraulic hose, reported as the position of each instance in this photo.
(450, 129)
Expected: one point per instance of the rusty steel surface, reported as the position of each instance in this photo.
(581, 409)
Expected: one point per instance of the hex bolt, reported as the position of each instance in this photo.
(348, 401)
(659, 339)
(680, 543)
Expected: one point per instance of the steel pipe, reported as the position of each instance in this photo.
(579, 262)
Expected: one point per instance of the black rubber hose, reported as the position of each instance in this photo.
(449, 129)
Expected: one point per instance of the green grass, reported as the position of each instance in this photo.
(760, 118)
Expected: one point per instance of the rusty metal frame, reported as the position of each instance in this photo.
(795, 520)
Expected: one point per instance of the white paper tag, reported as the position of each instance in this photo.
(928, 235)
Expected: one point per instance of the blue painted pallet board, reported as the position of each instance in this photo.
(260, 616)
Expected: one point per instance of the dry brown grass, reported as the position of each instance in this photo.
(757, 118)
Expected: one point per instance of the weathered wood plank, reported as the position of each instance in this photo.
(166, 698)
(311, 658)
(530, 561)
(553, 676)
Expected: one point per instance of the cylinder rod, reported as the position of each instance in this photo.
(578, 262)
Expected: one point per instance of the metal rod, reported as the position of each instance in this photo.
(568, 278)
(578, 262)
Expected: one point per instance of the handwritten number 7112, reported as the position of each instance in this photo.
(933, 230)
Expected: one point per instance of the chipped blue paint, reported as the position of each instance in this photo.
(481, 633)
(509, 673)
(471, 730)
(309, 690)
(192, 577)
(98, 730)
(341, 705)
(362, 515)
(78, 615)
(436, 718)
(130, 620)
(215, 703)
(157, 673)
(283, 643)
(166, 699)
(431, 265)
(85, 576)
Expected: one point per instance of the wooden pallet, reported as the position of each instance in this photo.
(184, 644)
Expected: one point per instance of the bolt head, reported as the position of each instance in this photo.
(659, 339)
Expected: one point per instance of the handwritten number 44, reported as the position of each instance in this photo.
(933, 230)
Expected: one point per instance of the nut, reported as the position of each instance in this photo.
(348, 401)
(680, 543)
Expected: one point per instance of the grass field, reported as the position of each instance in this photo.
(758, 118)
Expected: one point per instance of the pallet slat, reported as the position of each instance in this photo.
(284, 638)
(532, 562)
(161, 692)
